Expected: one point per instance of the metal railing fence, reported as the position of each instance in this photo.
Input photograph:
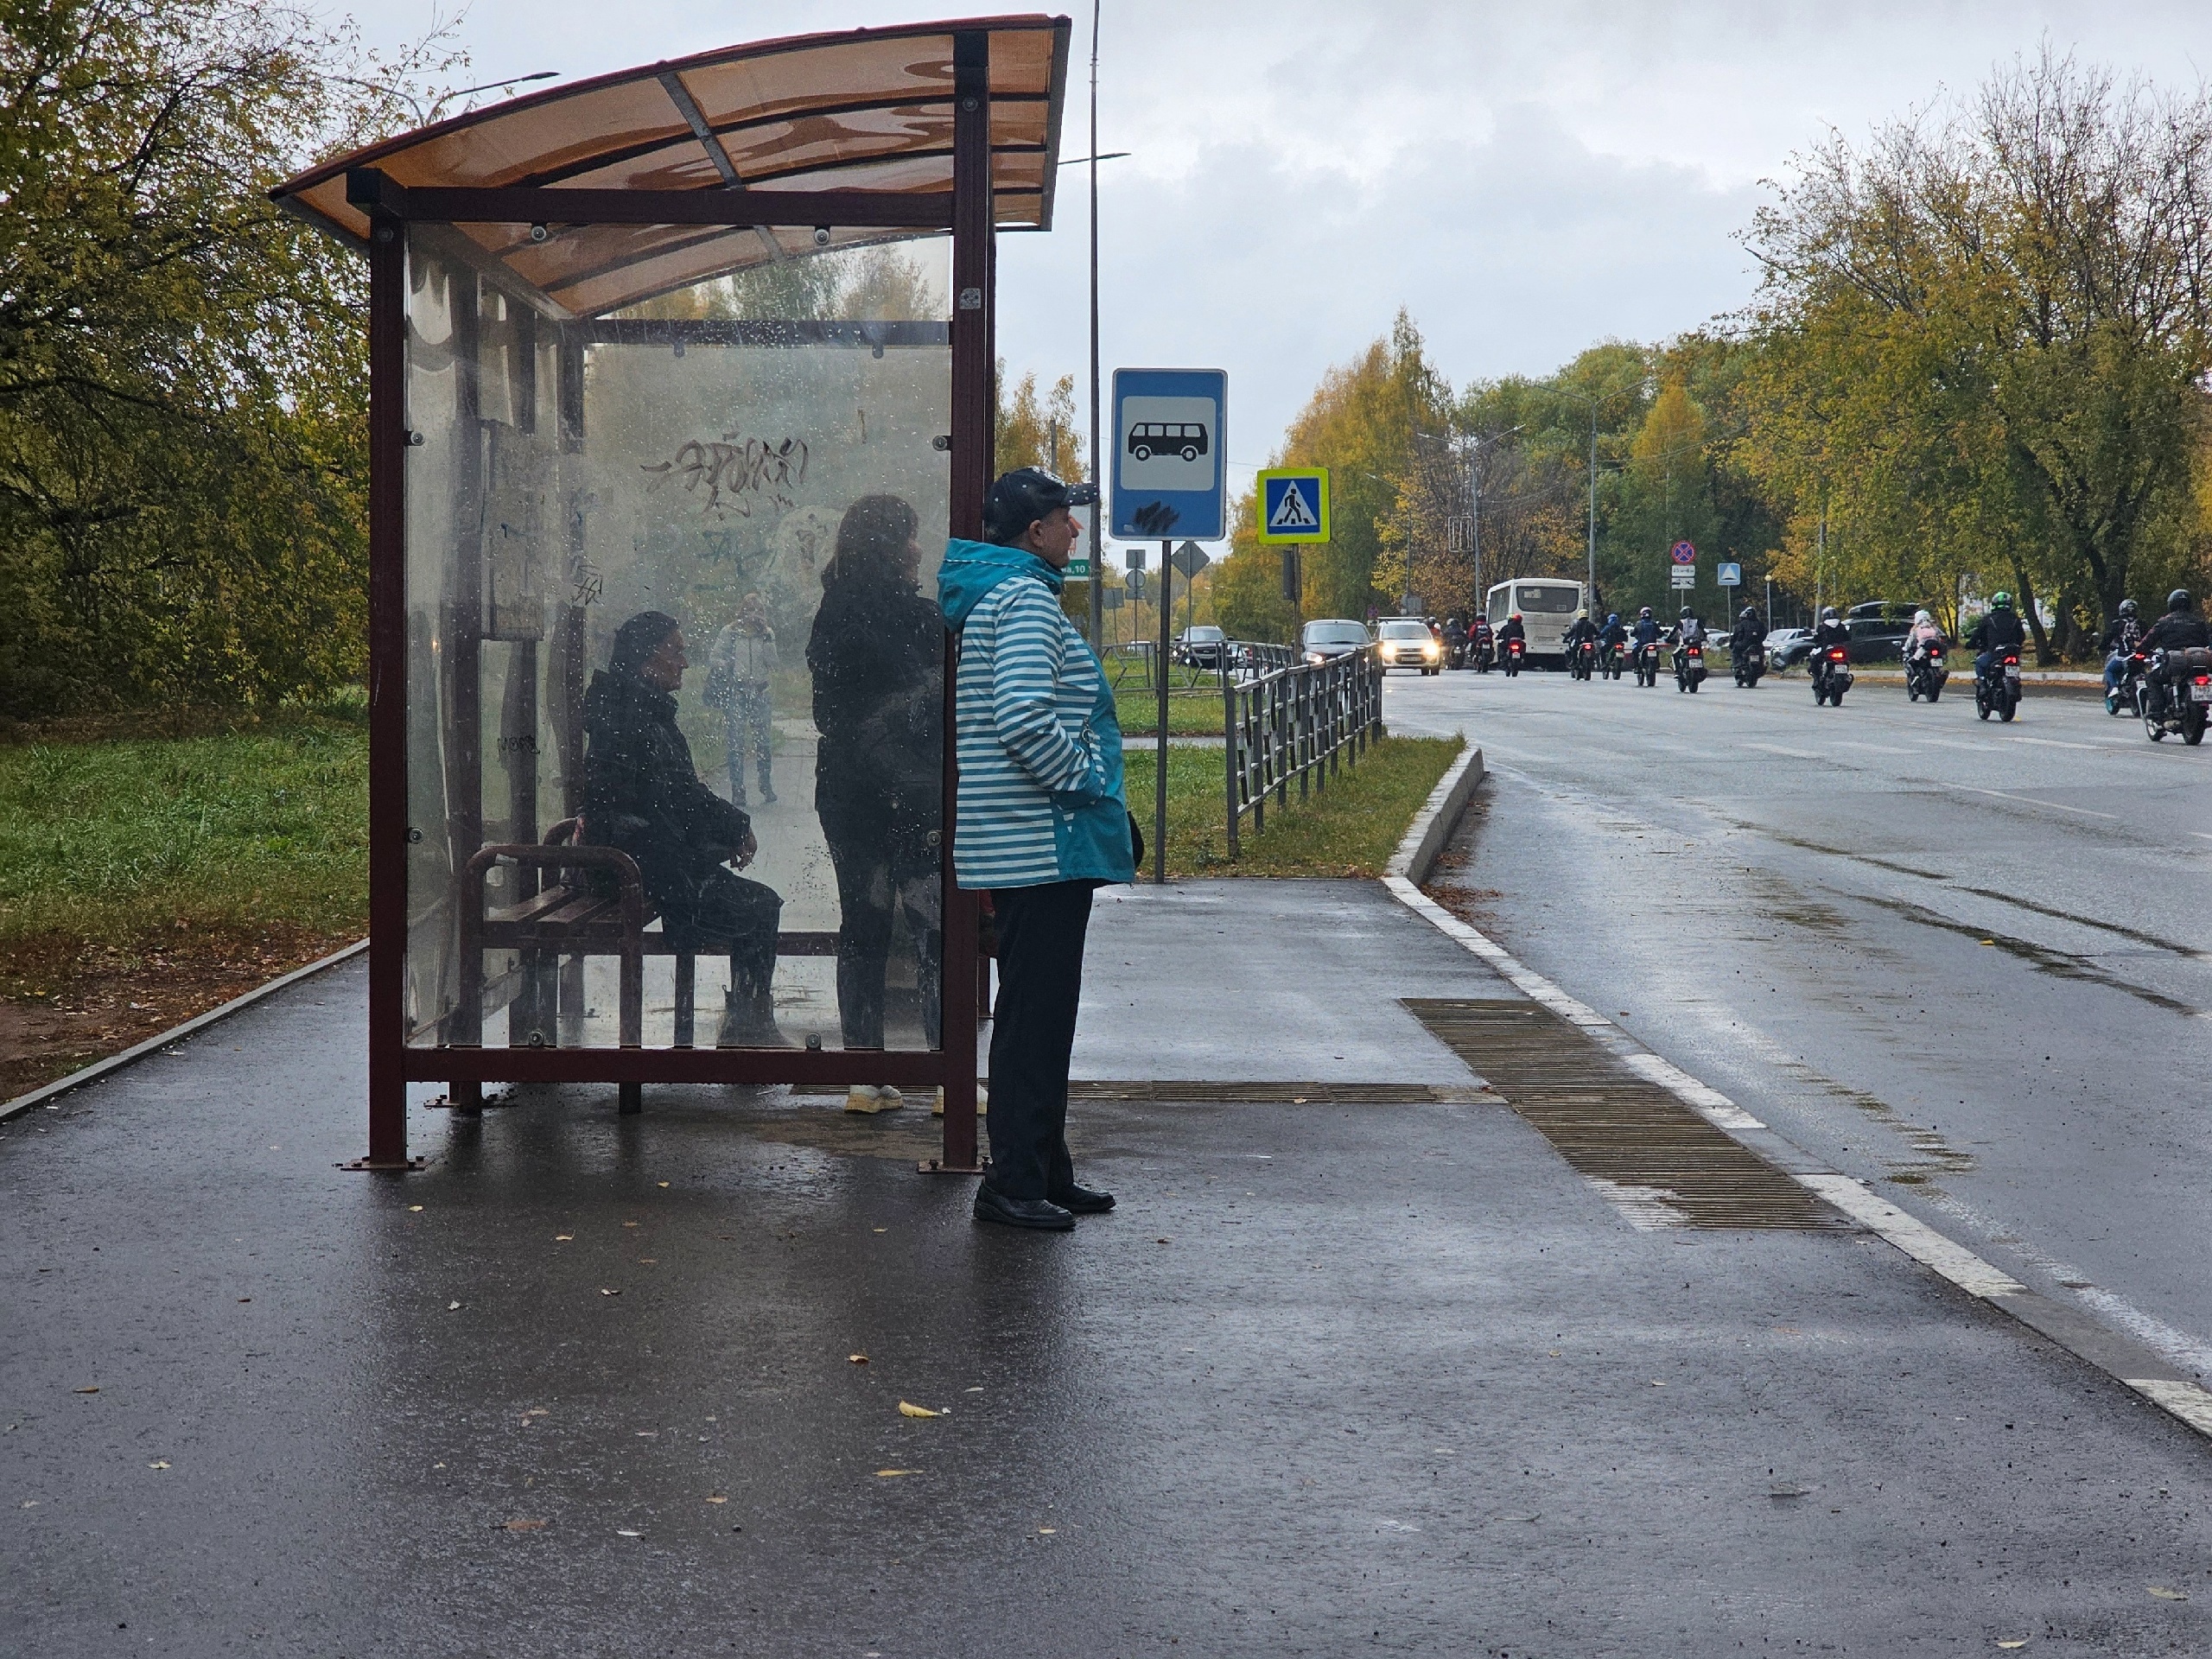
(1294, 724)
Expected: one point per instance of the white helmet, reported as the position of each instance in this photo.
(1921, 620)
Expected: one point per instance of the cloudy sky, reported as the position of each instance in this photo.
(1525, 180)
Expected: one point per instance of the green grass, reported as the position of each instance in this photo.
(1350, 829)
(112, 841)
(1195, 713)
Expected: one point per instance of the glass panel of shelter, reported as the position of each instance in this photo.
(757, 461)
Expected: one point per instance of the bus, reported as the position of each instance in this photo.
(1547, 605)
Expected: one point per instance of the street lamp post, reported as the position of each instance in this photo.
(1474, 449)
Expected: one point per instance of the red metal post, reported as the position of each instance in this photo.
(972, 404)
(388, 826)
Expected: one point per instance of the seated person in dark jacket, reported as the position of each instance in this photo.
(2179, 629)
(1999, 629)
(642, 795)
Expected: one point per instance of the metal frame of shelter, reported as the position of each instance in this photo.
(644, 181)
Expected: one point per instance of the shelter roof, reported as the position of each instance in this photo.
(867, 110)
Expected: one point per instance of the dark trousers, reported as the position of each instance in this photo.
(1040, 936)
(723, 911)
(871, 887)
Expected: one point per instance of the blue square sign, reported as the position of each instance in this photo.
(1170, 460)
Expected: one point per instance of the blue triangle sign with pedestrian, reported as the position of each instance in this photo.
(1294, 508)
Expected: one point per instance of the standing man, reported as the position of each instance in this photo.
(1041, 822)
(740, 666)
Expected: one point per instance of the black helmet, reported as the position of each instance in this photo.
(2128, 607)
(1750, 613)
(1026, 494)
(2178, 600)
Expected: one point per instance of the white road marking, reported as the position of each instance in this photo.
(1915, 1238)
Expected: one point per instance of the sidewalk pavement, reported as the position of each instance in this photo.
(1374, 1376)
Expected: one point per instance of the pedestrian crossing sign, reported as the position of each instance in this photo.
(1294, 504)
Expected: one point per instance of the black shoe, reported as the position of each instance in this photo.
(991, 1204)
(1084, 1201)
(767, 796)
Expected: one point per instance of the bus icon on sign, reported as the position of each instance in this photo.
(1184, 438)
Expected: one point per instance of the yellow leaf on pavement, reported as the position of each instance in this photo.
(2164, 1594)
(888, 1474)
(908, 1408)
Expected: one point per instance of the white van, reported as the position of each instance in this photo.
(1547, 605)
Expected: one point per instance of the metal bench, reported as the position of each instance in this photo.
(564, 918)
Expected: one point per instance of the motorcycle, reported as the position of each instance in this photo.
(2182, 699)
(1513, 648)
(1750, 664)
(1613, 662)
(1997, 689)
(1689, 668)
(1924, 675)
(2131, 696)
(1645, 662)
(1582, 664)
(1831, 675)
(1455, 652)
(1479, 653)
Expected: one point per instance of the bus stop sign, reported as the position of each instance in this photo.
(1169, 461)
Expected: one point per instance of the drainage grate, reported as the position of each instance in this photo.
(1275, 1094)
(1645, 1149)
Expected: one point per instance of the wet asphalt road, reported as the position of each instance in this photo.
(1962, 959)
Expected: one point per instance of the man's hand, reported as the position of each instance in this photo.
(747, 851)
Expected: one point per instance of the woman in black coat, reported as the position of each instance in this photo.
(877, 655)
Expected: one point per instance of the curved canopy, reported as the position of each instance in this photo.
(868, 111)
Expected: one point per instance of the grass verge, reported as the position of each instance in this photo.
(1350, 829)
(145, 879)
(1190, 712)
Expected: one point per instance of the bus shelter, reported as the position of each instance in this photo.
(682, 345)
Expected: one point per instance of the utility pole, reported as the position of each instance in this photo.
(1097, 473)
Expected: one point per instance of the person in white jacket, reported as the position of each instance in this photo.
(741, 664)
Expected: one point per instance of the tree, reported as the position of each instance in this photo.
(182, 431)
(1986, 335)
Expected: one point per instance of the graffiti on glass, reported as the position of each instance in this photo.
(732, 473)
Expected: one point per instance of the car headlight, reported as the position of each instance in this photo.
(1390, 653)
(1430, 649)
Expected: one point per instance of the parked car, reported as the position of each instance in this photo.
(1334, 636)
(1787, 647)
(1878, 630)
(1204, 646)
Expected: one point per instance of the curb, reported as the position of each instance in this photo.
(1438, 817)
(99, 1069)
(2125, 1360)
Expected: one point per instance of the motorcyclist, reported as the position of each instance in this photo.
(2179, 629)
(1513, 630)
(1747, 638)
(1999, 629)
(1925, 634)
(1830, 630)
(1480, 644)
(1614, 632)
(1647, 630)
(1455, 639)
(1689, 630)
(1580, 632)
(2122, 640)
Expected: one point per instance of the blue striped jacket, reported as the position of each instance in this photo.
(1038, 744)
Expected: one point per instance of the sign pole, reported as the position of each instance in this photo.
(1159, 771)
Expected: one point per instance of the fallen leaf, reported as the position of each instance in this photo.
(453, 1307)
(627, 1532)
(1048, 1531)
(908, 1408)
(94, 1388)
(857, 1359)
(563, 1238)
(663, 1183)
(610, 1292)
(2169, 1595)
(1658, 1385)
(649, 1260)
(520, 1524)
(888, 1474)
(2022, 1642)
(415, 1209)
(537, 1411)
(629, 1224)
(245, 1299)
(883, 1229)
(718, 1500)
(1163, 1241)
(161, 1463)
